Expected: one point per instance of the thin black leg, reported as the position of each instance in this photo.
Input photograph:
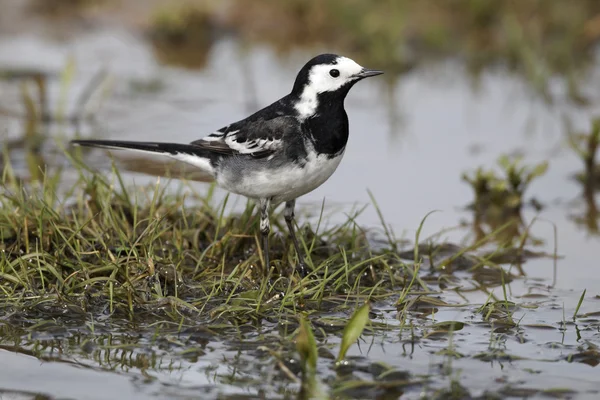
(288, 214)
(265, 228)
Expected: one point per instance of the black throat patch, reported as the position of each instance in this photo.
(328, 127)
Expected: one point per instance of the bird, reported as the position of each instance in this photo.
(279, 153)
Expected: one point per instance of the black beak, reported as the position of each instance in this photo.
(365, 73)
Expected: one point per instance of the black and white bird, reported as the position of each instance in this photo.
(279, 153)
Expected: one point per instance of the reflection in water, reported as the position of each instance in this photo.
(586, 146)
(62, 8)
(401, 34)
(497, 223)
(590, 217)
(183, 36)
(160, 167)
(34, 130)
(499, 201)
(37, 120)
(532, 39)
(262, 360)
(34, 109)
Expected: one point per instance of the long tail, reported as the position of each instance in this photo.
(188, 153)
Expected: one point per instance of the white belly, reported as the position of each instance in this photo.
(284, 183)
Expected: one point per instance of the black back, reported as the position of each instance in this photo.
(327, 129)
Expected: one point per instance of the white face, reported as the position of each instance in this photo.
(321, 79)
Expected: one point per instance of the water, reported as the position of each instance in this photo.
(411, 139)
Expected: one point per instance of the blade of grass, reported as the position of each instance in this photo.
(353, 330)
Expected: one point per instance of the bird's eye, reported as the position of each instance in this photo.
(334, 72)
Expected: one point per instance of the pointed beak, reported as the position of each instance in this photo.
(366, 72)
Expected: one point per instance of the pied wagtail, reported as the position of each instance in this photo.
(279, 153)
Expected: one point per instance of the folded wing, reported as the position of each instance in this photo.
(258, 138)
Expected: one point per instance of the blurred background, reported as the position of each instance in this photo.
(487, 111)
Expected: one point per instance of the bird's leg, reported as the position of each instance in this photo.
(265, 228)
(288, 214)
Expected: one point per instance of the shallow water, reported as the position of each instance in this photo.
(411, 140)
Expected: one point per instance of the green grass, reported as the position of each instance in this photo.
(135, 248)
(179, 254)
(120, 267)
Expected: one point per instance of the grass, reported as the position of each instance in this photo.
(170, 265)
(97, 248)
(100, 242)
(131, 270)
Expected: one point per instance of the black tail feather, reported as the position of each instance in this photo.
(200, 157)
(151, 147)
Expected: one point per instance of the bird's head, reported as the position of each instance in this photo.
(330, 73)
(327, 74)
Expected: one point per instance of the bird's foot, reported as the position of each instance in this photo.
(271, 283)
(301, 268)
